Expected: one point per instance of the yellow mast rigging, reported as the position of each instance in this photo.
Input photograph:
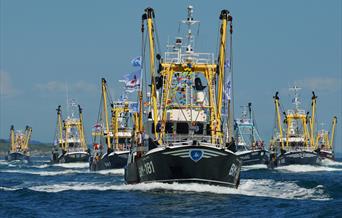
(224, 17)
(312, 120)
(104, 96)
(333, 132)
(277, 105)
(60, 126)
(149, 15)
(28, 132)
(81, 128)
(13, 147)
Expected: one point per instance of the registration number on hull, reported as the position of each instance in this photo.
(146, 169)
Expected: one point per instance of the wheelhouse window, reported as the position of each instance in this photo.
(182, 128)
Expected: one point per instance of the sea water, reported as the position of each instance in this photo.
(71, 190)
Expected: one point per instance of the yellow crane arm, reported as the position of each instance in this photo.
(224, 17)
(276, 101)
(60, 126)
(28, 134)
(12, 138)
(333, 131)
(149, 15)
(312, 120)
(82, 136)
(104, 96)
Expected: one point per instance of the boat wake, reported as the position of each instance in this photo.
(254, 167)
(248, 187)
(111, 172)
(73, 165)
(44, 173)
(306, 168)
(327, 162)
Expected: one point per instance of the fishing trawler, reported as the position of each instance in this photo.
(325, 146)
(180, 136)
(19, 145)
(249, 145)
(69, 144)
(297, 145)
(112, 140)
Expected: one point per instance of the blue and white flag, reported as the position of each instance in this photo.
(228, 87)
(227, 64)
(132, 81)
(136, 62)
(134, 107)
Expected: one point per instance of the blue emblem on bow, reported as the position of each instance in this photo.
(196, 154)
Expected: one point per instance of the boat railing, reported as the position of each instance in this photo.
(171, 139)
(196, 58)
(77, 149)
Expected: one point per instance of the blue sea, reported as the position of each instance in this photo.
(71, 190)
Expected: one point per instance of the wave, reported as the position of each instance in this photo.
(254, 167)
(111, 171)
(9, 189)
(42, 166)
(327, 162)
(248, 187)
(306, 168)
(44, 173)
(73, 165)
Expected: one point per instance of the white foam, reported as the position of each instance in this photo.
(306, 168)
(44, 173)
(249, 187)
(73, 165)
(8, 189)
(327, 162)
(111, 171)
(42, 166)
(254, 167)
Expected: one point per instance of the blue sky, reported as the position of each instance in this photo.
(46, 44)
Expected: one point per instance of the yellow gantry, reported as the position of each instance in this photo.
(215, 82)
(20, 140)
(65, 127)
(115, 121)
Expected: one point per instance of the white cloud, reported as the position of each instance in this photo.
(321, 84)
(58, 86)
(6, 87)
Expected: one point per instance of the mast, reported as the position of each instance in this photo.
(333, 132)
(224, 17)
(104, 95)
(82, 138)
(251, 120)
(59, 121)
(312, 120)
(12, 138)
(277, 104)
(140, 115)
(149, 15)
(28, 132)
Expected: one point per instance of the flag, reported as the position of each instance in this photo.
(136, 62)
(228, 88)
(134, 107)
(132, 81)
(227, 64)
(97, 127)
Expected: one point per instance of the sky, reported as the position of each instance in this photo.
(45, 45)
